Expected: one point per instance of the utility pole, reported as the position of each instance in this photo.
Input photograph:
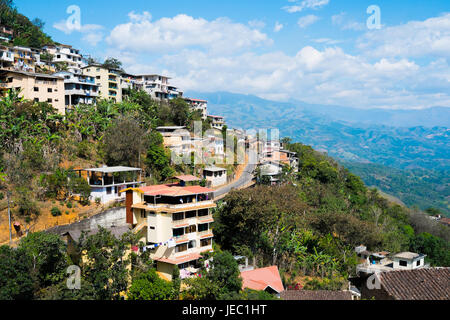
(9, 217)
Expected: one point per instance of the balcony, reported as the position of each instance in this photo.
(181, 205)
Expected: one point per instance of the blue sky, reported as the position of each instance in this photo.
(318, 51)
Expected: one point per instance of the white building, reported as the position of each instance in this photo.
(67, 54)
(198, 104)
(217, 122)
(158, 87)
(107, 182)
(79, 89)
(215, 176)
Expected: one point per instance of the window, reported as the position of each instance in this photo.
(143, 214)
(192, 244)
(49, 100)
(36, 89)
(191, 229)
(181, 247)
(205, 242)
(108, 190)
(152, 228)
(36, 99)
(190, 214)
(178, 216)
(49, 90)
(403, 263)
(203, 212)
(178, 232)
(418, 263)
(203, 227)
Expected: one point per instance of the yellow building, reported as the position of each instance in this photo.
(34, 86)
(108, 81)
(174, 221)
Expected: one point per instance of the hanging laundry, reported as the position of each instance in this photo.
(172, 243)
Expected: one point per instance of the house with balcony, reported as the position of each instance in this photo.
(215, 176)
(198, 104)
(23, 59)
(6, 33)
(174, 221)
(217, 122)
(36, 87)
(66, 54)
(108, 81)
(158, 87)
(177, 139)
(79, 89)
(6, 58)
(107, 182)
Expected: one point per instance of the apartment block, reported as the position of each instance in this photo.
(66, 54)
(24, 59)
(108, 80)
(158, 87)
(217, 122)
(6, 58)
(78, 89)
(35, 86)
(174, 221)
(198, 104)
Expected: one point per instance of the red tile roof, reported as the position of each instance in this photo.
(418, 284)
(181, 259)
(260, 279)
(187, 178)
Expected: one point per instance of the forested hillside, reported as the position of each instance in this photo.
(417, 187)
(26, 33)
(311, 224)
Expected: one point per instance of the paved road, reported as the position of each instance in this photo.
(245, 178)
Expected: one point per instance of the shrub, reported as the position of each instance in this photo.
(69, 205)
(97, 201)
(55, 211)
(67, 212)
(2, 196)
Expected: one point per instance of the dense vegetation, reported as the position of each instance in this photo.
(311, 224)
(26, 33)
(417, 187)
(39, 147)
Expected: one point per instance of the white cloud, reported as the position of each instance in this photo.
(306, 4)
(181, 31)
(305, 21)
(92, 32)
(345, 23)
(257, 24)
(413, 39)
(278, 27)
(327, 41)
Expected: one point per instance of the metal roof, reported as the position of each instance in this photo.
(112, 169)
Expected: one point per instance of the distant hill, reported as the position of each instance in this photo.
(403, 153)
(420, 187)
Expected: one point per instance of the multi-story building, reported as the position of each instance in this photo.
(6, 58)
(35, 86)
(217, 122)
(158, 87)
(177, 139)
(198, 104)
(107, 182)
(174, 220)
(66, 54)
(6, 33)
(108, 80)
(23, 59)
(79, 89)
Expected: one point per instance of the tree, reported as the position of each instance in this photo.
(124, 142)
(105, 265)
(47, 253)
(16, 282)
(112, 63)
(149, 286)
(436, 249)
(225, 274)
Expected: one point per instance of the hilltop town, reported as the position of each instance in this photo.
(154, 198)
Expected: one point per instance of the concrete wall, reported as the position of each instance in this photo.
(106, 219)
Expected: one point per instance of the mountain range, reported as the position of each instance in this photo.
(382, 145)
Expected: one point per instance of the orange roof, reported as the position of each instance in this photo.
(179, 260)
(260, 279)
(187, 178)
(173, 190)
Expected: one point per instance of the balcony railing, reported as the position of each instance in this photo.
(181, 205)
